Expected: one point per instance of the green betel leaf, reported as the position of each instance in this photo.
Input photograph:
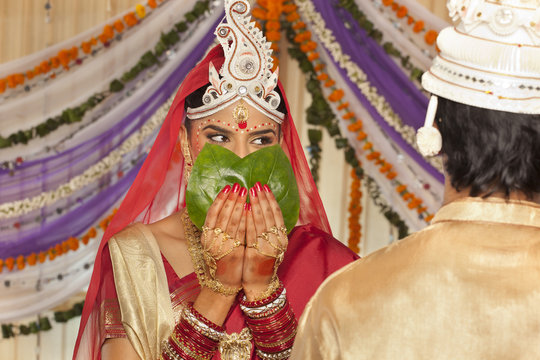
(217, 167)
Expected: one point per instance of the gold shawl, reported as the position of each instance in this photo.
(466, 287)
(143, 292)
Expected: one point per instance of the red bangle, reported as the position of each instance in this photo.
(200, 317)
(263, 302)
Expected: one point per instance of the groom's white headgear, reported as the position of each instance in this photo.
(489, 59)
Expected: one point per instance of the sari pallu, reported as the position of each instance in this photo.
(159, 191)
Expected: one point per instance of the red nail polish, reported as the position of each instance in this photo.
(243, 191)
(258, 186)
(235, 188)
(266, 188)
(226, 189)
(248, 206)
(253, 192)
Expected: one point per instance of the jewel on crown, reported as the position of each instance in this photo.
(246, 73)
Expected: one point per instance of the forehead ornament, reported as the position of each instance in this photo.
(240, 115)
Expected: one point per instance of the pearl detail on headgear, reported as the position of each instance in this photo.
(428, 138)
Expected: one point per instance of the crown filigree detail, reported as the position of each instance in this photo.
(246, 73)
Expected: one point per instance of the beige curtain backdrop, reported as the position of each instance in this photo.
(24, 30)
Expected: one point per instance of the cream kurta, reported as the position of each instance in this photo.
(466, 287)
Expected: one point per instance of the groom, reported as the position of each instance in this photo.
(467, 286)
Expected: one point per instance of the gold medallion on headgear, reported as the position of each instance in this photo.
(240, 115)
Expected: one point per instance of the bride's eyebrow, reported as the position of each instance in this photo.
(262, 132)
(218, 128)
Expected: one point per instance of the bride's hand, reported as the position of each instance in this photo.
(266, 241)
(223, 235)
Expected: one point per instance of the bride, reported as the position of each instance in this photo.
(161, 288)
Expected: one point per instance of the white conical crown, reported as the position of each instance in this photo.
(246, 73)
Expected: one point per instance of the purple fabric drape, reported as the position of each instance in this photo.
(82, 217)
(382, 72)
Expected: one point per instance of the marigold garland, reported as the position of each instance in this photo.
(336, 96)
(70, 244)
(69, 57)
(418, 25)
(355, 210)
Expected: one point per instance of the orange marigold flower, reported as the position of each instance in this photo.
(42, 256)
(299, 25)
(118, 26)
(289, 8)
(52, 254)
(86, 47)
(103, 38)
(408, 196)
(58, 249)
(322, 77)
(130, 19)
(31, 259)
(336, 95)
(108, 31)
(421, 209)
(361, 136)
(402, 12)
(1, 265)
(55, 62)
(63, 56)
(19, 78)
(73, 243)
(395, 6)
(2, 85)
(367, 146)
(348, 115)
(431, 37)
(388, 2)
(329, 83)
(410, 20)
(259, 13)
(313, 56)
(428, 218)
(10, 263)
(74, 52)
(343, 105)
(30, 74)
(273, 36)
(92, 232)
(93, 41)
(20, 262)
(401, 188)
(293, 17)
(152, 4)
(273, 25)
(391, 175)
(274, 47)
(373, 155)
(419, 26)
(85, 239)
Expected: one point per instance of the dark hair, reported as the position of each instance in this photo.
(194, 100)
(490, 151)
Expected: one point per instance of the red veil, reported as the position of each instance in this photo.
(159, 191)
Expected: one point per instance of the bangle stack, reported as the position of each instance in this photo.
(272, 324)
(193, 338)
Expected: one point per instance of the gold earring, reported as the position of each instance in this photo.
(188, 161)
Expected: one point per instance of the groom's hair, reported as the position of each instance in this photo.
(490, 151)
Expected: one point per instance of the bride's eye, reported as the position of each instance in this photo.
(263, 140)
(217, 138)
